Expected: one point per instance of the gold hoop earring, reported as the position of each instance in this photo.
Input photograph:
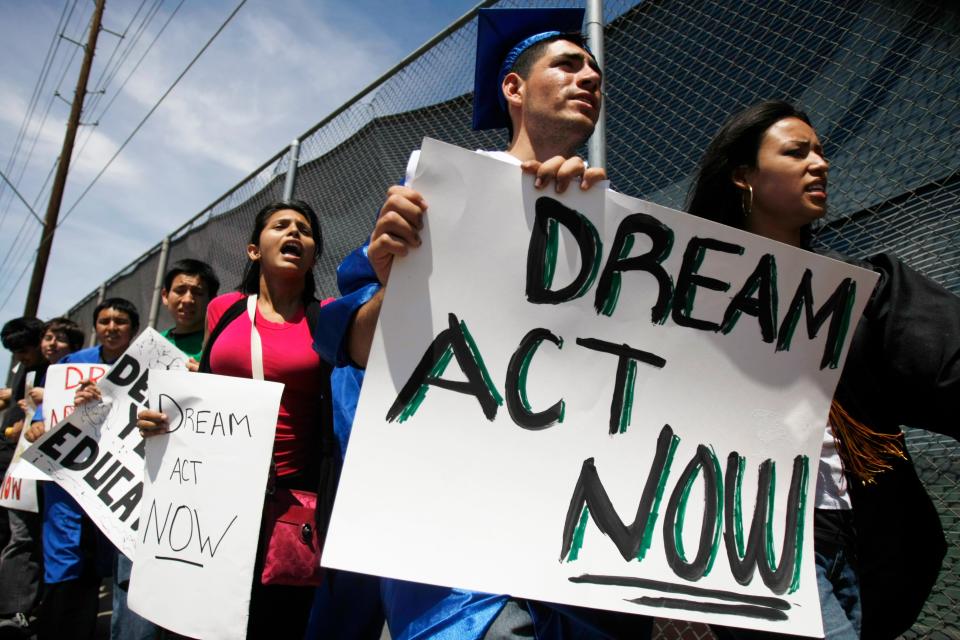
(746, 201)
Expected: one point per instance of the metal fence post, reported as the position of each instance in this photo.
(291, 181)
(101, 294)
(158, 282)
(597, 145)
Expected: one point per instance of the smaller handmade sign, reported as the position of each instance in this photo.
(203, 497)
(19, 490)
(96, 454)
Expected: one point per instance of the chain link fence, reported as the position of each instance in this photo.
(879, 78)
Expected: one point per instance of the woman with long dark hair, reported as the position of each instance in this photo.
(877, 537)
(277, 290)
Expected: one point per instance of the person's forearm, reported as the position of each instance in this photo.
(361, 329)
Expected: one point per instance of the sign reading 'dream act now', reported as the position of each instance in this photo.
(593, 400)
(202, 502)
(96, 453)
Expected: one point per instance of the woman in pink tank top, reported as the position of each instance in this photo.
(284, 246)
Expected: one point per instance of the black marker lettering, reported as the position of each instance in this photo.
(542, 252)
(758, 298)
(619, 261)
(452, 342)
(688, 280)
(57, 438)
(124, 372)
(620, 407)
(515, 388)
(73, 459)
(631, 540)
(837, 308)
(705, 465)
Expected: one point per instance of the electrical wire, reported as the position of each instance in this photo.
(23, 272)
(109, 72)
(152, 110)
(36, 136)
(133, 71)
(15, 243)
(34, 97)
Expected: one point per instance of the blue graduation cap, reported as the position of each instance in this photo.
(502, 35)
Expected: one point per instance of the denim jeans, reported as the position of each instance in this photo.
(124, 623)
(839, 603)
(839, 596)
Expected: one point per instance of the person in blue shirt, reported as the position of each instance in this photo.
(536, 78)
(76, 555)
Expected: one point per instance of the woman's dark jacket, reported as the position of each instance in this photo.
(903, 368)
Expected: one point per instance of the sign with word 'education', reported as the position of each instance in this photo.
(202, 502)
(588, 399)
(96, 453)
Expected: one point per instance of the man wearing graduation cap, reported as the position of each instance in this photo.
(536, 78)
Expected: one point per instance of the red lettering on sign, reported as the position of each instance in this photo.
(11, 488)
(73, 373)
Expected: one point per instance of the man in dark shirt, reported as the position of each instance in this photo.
(19, 530)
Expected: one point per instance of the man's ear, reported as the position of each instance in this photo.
(512, 88)
(163, 295)
(739, 177)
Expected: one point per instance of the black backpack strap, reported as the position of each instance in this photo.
(233, 312)
(328, 457)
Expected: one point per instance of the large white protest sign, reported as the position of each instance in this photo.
(666, 383)
(96, 453)
(19, 488)
(203, 496)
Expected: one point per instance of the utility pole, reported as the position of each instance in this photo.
(60, 180)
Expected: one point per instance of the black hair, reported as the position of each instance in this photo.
(713, 195)
(191, 267)
(250, 283)
(20, 333)
(67, 327)
(122, 305)
(525, 61)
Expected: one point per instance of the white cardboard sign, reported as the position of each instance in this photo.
(60, 387)
(96, 453)
(593, 400)
(202, 502)
(19, 488)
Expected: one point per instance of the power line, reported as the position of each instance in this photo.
(36, 136)
(22, 199)
(46, 182)
(34, 97)
(23, 272)
(16, 249)
(120, 41)
(60, 180)
(152, 109)
(130, 75)
(107, 73)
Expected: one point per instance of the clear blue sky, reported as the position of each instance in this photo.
(277, 69)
